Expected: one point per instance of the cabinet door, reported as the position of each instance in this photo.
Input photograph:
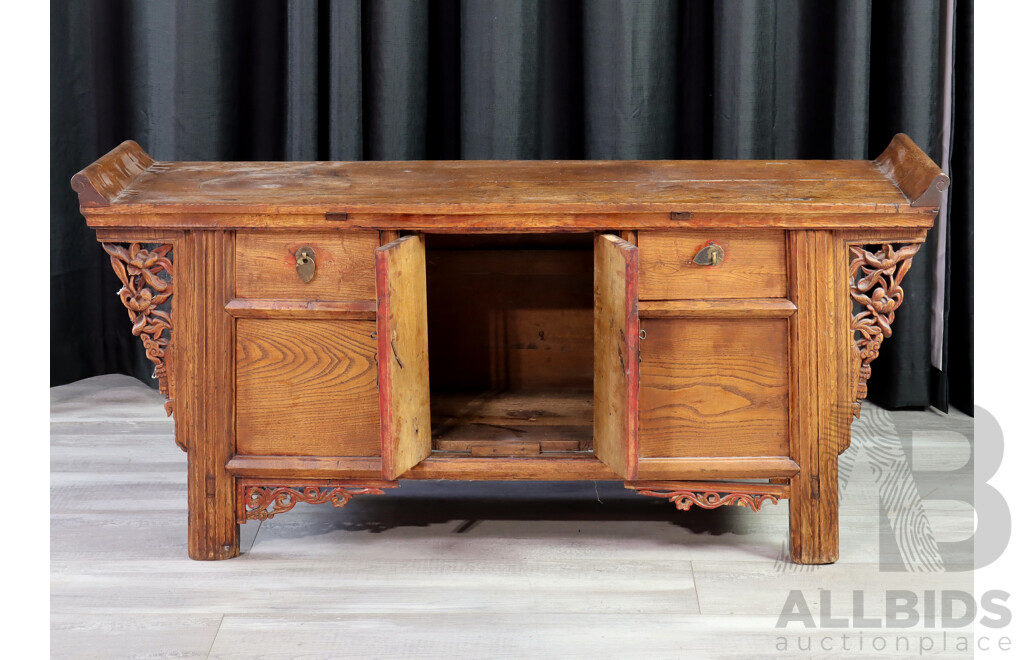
(402, 355)
(616, 356)
(715, 387)
(306, 387)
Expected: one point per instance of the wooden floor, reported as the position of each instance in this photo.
(464, 569)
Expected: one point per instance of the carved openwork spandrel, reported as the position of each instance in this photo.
(684, 499)
(262, 502)
(147, 279)
(875, 279)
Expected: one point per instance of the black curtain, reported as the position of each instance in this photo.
(443, 79)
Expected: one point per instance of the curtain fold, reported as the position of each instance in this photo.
(629, 74)
(505, 79)
(500, 96)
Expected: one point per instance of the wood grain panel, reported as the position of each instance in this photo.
(731, 467)
(298, 309)
(307, 388)
(754, 266)
(482, 186)
(549, 467)
(725, 308)
(265, 265)
(402, 347)
(714, 388)
(520, 220)
(616, 331)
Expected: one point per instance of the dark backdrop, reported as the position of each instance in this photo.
(432, 79)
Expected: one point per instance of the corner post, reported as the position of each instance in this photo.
(815, 288)
(205, 361)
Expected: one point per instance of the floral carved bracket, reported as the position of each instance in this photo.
(147, 282)
(710, 495)
(262, 501)
(875, 279)
(684, 499)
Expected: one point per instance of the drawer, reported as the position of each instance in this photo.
(714, 387)
(754, 265)
(306, 388)
(344, 265)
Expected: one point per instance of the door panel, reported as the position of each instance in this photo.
(616, 372)
(402, 355)
(714, 387)
(306, 388)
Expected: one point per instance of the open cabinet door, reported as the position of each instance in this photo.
(402, 355)
(616, 354)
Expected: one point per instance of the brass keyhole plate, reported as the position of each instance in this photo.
(711, 254)
(305, 263)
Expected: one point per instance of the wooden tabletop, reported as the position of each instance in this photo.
(127, 180)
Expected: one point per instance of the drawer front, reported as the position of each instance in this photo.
(344, 265)
(754, 265)
(714, 387)
(306, 388)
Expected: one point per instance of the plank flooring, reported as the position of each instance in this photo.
(459, 569)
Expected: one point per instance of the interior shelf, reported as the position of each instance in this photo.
(513, 422)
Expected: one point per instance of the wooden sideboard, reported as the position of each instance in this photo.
(700, 330)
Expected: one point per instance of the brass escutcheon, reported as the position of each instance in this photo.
(711, 254)
(305, 263)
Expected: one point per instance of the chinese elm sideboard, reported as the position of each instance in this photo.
(700, 330)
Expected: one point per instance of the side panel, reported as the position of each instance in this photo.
(616, 357)
(402, 355)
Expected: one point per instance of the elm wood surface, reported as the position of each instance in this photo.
(444, 187)
(722, 467)
(728, 308)
(402, 355)
(552, 420)
(306, 387)
(714, 387)
(775, 314)
(265, 265)
(818, 339)
(616, 368)
(552, 465)
(754, 265)
(205, 412)
(299, 309)
(504, 223)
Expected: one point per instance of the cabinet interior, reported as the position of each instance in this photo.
(511, 343)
